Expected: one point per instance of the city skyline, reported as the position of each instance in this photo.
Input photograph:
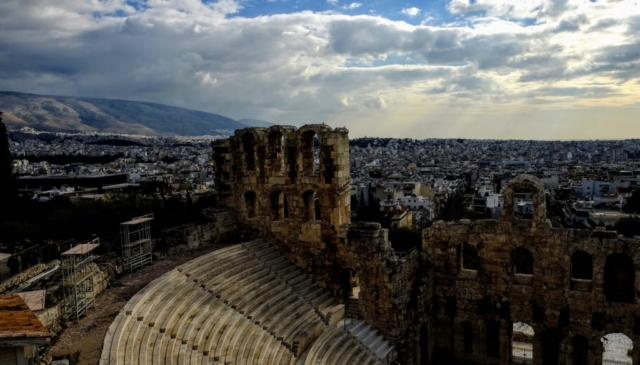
(547, 70)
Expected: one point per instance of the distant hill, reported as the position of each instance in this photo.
(255, 122)
(73, 114)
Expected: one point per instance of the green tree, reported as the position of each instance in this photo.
(628, 227)
(453, 208)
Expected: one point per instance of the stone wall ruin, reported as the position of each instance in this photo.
(456, 298)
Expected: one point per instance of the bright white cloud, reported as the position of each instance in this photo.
(486, 75)
(353, 6)
(413, 11)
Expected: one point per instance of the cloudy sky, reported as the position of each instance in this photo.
(528, 69)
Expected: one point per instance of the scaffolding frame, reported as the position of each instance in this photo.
(137, 248)
(77, 278)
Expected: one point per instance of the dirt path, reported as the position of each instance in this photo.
(87, 335)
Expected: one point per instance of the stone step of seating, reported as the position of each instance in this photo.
(119, 328)
(243, 305)
(336, 347)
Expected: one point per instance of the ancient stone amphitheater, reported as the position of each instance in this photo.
(245, 304)
(495, 291)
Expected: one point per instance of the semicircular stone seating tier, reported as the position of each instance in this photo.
(242, 305)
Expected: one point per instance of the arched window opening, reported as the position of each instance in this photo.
(470, 257)
(467, 330)
(309, 198)
(619, 278)
(523, 202)
(522, 343)
(277, 205)
(310, 153)
(350, 283)
(493, 341)
(286, 206)
(276, 152)
(523, 261)
(617, 347)
(250, 204)
(249, 148)
(581, 271)
(580, 350)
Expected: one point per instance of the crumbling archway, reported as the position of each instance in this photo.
(520, 184)
(251, 204)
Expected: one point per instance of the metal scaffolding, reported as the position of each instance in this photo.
(77, 278)
(136, 242)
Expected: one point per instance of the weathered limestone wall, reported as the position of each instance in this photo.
(456, 297)
(269, 178)
(561, 310)
(393, 290)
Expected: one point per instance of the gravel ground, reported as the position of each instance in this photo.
(86, 336)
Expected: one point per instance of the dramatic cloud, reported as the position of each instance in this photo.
(497, 69)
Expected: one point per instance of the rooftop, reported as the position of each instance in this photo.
(18, 321)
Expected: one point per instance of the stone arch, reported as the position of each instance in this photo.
(350, 283)
(309, 149)
(619, 278)
(275, 146)
(249, 141)
(617, 349)
(251, 204)
(539, 200)
(522, 335)
(279, 207)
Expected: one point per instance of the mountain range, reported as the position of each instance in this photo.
(78, 114)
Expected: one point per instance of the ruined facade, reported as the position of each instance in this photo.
(456, 297)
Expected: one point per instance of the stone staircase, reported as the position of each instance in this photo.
(375, 343)
(352, 311)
